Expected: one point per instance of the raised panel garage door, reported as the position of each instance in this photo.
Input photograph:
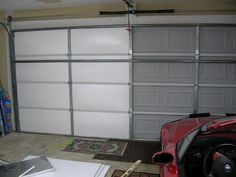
(87, 82)
(181, 70)
(217, 81)
(163, 90)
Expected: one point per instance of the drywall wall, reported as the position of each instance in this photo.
(3, 55)
(5, 71)
(193, 7)
(84, 11)
(205, 7)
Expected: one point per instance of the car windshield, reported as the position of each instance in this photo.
(221, 124)
(183, 145)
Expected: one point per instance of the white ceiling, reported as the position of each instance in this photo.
(11, 5)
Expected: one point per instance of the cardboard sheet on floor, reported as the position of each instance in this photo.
(65, 168)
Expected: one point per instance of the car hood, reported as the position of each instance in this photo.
(175, 131)
(228, 123)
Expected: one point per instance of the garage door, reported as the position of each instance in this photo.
(164, 80)
(42, 87)
(217, 81)
(73, 81)
(84, 82)
(181, 70)
(100, 89)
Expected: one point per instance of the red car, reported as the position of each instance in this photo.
(198, 146)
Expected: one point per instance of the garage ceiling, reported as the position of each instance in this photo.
(11, 5)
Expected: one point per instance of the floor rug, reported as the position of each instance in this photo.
(118, 173)
(136, 150)
(97, 147)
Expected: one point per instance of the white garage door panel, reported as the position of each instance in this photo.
(95, 124)
(100, 40)
(45, 121)
(43, 95)
(101, 97)
(100, 72)
(42, 72)
(49, 42)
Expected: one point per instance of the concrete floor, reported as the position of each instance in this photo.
(16, 146)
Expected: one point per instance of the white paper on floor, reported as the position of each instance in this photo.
(68, 168)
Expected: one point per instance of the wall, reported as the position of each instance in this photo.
(194, 7)
(5, 71)
(3, 55)
(84, 11)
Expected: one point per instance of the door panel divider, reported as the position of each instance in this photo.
(196, 73)
(160, 113)
(45, 108)
(100, 83)
(42, 82)
(101, 111)
(218, 85)
(166, 54)
(70, 84)
(163, 84)
(131, 118)
(127, 60)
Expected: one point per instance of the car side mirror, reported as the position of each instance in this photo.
(162, 158)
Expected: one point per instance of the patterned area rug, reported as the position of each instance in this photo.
(142, 150)
(118, 173)
(97, 147)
